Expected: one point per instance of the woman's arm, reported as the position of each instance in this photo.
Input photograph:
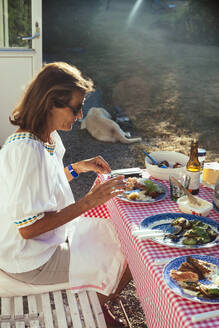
(98, 195)
(95, 164)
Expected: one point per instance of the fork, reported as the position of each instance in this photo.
(153, 160)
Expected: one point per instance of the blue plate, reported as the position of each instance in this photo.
(163, 222)
(149, 201)
(173, 285)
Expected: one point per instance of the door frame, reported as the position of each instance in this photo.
(36, 51)
(13, 81)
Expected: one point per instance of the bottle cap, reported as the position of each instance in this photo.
(201, 152)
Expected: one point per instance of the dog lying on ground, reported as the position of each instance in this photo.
(99, 124)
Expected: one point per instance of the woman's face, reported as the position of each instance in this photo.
(63, 118)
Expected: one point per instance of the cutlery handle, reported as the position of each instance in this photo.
(153, 160)
(205, 315)
(163, 261)
(147, 234)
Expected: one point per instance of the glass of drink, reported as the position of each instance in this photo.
(175, 191)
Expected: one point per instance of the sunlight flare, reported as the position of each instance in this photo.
(134, 11)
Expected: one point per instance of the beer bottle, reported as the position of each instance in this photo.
(193, 168)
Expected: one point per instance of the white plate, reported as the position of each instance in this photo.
(173, 285)
(149, 201)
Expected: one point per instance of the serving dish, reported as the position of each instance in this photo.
(164, 173)
(163, 222)
(177, 289)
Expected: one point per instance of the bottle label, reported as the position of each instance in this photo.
(195, 180)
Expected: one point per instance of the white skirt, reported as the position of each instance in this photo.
(96, 260)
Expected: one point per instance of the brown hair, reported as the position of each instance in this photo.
(55, 83)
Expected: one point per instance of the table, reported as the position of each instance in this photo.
(162, 307)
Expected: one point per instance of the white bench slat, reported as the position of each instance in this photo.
(60, 311)
(6, 308)
(33, 312)
(86, 310)
(97, 310)
(5, 325)
(18, 307)
(34, 324)
(19, 312)
(5, 312)
(73, 305)
(47, 311)
(32, 306)
(19, 324)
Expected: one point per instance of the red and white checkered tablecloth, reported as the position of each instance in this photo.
(162, 307)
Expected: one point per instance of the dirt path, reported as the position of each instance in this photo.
(169, 89)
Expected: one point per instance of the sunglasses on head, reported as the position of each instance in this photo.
(75, 110)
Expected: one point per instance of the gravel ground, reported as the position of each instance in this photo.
(80, 145)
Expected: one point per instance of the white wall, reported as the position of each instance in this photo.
(15, 73)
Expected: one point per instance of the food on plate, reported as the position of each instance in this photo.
(193, 270)
(203, 268)
(209, 291)
(133, 183)
(192, 232)
(133, 196)
(182, 222)
(184, 275)
(143, 189)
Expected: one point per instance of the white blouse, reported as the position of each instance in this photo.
(32, 182)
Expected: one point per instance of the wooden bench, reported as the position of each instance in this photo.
(60, 308)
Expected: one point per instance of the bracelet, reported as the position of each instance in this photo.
(72, 171)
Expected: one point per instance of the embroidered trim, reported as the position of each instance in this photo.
(30, 136)
(28, 221)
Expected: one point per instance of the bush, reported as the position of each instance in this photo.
(195, 22)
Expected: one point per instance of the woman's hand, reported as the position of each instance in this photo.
(95, 164)
(102, 192)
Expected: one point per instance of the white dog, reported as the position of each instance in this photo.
(99, 124)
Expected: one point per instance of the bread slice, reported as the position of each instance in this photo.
(184, 276)
(202, 268)
(185, 266)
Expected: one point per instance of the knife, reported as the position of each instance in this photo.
(144, 234)
(205, 316)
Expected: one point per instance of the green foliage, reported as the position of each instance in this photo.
(19, 22)
(200, 22)
(194, 22)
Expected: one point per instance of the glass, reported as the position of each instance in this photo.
(15, 23)
(175, 191)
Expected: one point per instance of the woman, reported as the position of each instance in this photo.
(43, 238)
